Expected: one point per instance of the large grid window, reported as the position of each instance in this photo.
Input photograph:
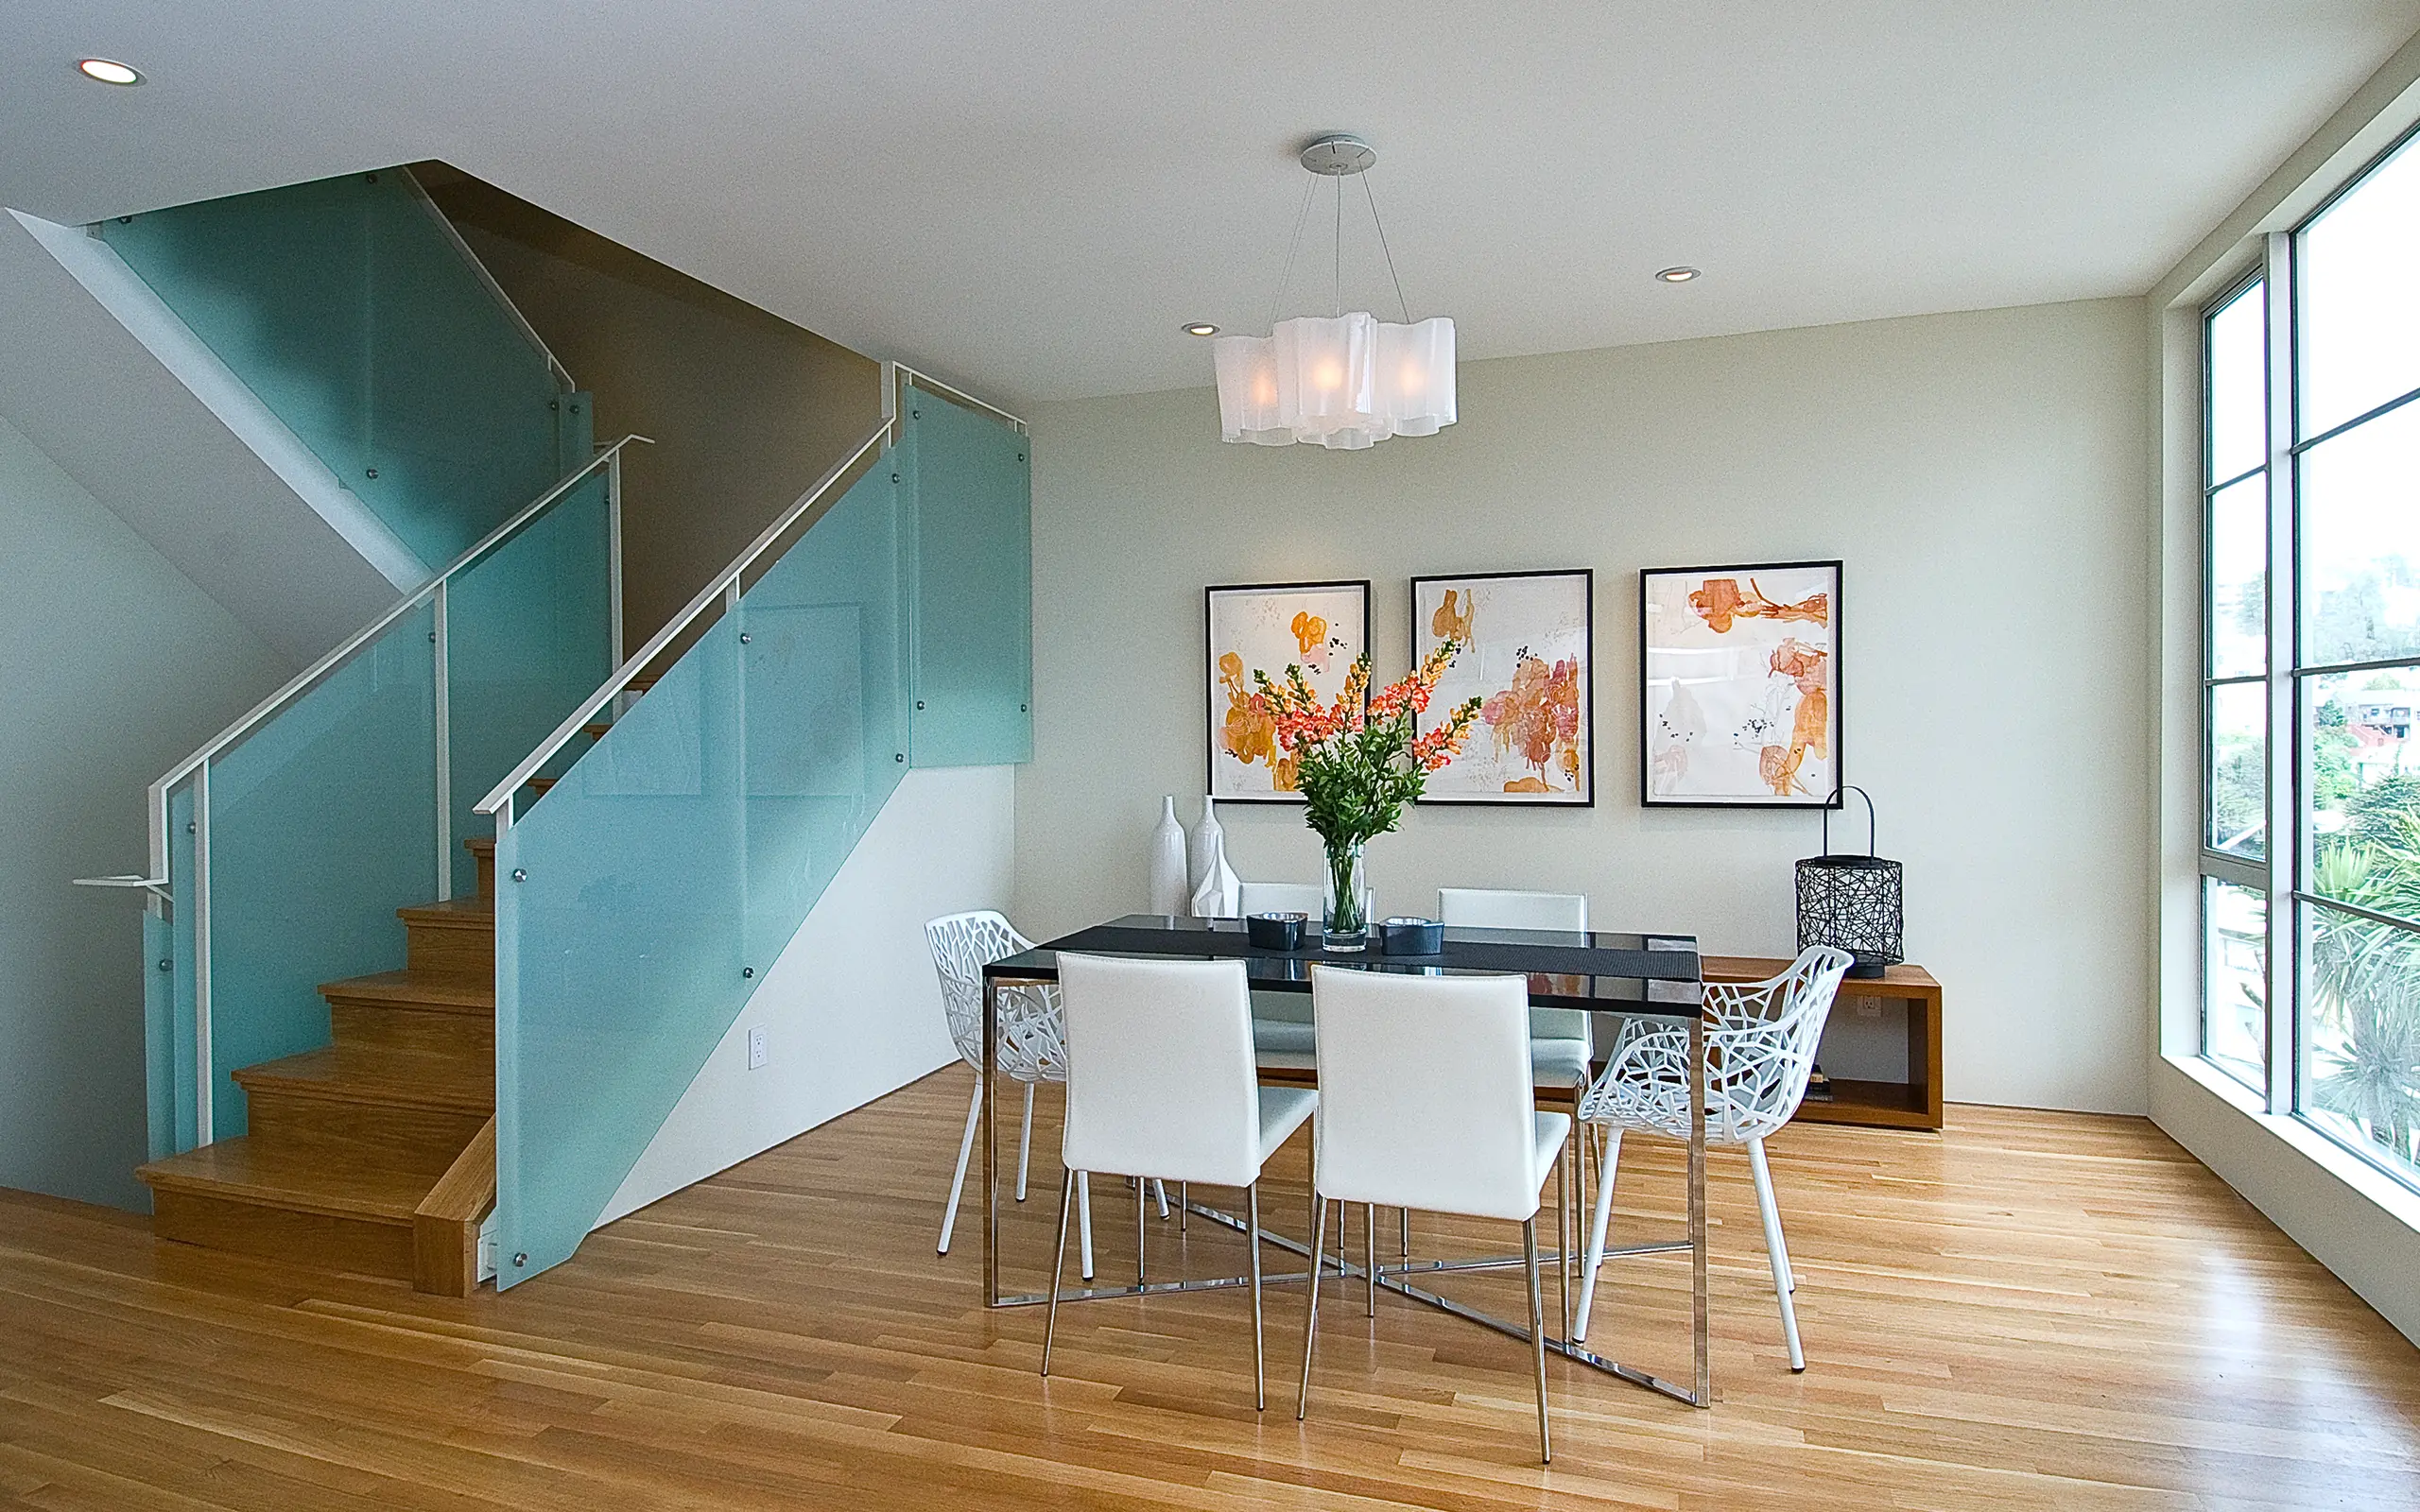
(2310, 856)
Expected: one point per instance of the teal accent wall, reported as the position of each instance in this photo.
(355, 316)
(118, 667)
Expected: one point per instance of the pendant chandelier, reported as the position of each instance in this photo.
(1345, 381)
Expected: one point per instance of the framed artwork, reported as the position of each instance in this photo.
(1529, 656)
(1740, 684)
(1322, 627)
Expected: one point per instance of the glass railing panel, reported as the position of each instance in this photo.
(350, 310)
(972, 680)
(661, 877)
(175, 1056)
(322, 823)
(528, 635)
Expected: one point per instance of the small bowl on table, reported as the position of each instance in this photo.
(1411, 936)
(1276, 931)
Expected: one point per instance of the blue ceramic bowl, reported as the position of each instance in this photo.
(1276, 931)
(1411, 936)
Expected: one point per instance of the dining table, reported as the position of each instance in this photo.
(1655, 979)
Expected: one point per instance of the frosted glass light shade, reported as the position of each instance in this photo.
(1344, 381)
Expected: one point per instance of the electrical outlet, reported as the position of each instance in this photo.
(1869, 1009)
(757, 1049)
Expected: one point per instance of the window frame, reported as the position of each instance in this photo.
(2284, 874)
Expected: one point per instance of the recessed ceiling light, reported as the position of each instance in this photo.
(1676, 275)
(108, 71)
(1199, 328)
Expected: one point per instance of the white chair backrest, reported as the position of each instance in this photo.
(1760, 1046)
(963, 945)
(1424, 1093)
(1160, 1074)
(1500, 908)
(1769, 1032)
(1280, 897)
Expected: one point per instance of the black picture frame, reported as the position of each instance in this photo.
(1210, 705)
(1837, 691)
(1588, 688)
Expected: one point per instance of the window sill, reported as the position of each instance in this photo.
(2366, 1180)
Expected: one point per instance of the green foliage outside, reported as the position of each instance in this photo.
(2365, 974)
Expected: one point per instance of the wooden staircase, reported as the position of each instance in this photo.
(376, 1154)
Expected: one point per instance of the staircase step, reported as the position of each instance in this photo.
(340, 1207)
(423, 1103)
(595, 731)
(455, 938)
(415, 990)
(482, 849)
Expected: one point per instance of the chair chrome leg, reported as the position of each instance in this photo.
(1311, 1314)
(1184, 1205)
(1369, 1237)
(1142, 1200)
(1084, 1221)
(1160, 1193)
(1402, 1217)
(1776, 1251)
(1025, 1143)
(1537, 1334)
(1058, 1267)
(1259, 1360)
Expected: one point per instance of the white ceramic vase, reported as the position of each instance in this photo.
(1214, 885)
(1168, 892)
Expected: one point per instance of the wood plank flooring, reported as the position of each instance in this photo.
(2030, 1310)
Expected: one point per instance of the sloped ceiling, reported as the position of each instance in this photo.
(1030, 197)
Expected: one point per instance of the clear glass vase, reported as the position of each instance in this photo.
(1346, 924)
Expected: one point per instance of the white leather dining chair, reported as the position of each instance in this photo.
(1759, 1047)
(1425, 1102)
(1031, 1049)
(1281, 1022)
(1160, 1084)
(1559, 1045)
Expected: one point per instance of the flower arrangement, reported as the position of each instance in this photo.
(1358, 762)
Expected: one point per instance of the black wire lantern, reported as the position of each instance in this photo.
(1852, 902)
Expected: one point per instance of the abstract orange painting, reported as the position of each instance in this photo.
(1740, 675)
(1526, 655)
(1320, 627)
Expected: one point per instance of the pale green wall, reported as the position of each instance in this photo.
(117, 666)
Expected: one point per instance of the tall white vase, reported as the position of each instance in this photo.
(1215, 886)
(1168, 892)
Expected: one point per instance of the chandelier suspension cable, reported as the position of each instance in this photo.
(1379, 221)
(1340, 261)
(1302, 217)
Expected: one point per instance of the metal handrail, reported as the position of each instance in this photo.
(319, 671)
(722, 587)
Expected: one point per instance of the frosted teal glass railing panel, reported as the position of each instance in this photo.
(528, 635)
(643, 899)
(322, 824)
(348, 307)
(174, 1058)
(972, 676)
(159, 1030)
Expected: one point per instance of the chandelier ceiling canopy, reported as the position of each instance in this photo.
(1343, 381)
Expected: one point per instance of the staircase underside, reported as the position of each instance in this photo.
(375, 1154)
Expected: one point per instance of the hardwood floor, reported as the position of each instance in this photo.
(2030, 1310)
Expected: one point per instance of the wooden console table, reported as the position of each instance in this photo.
(1912, 1104)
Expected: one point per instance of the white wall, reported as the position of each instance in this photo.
(117, 667)
(1981, 473)
(852, 1009)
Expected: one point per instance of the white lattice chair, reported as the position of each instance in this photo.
(1032, 1045)
(1760, 1047)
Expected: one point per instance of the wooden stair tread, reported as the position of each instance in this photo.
(380, 1074)
(464, 912)
(480, 845)
(300, 1176)
(416, 990)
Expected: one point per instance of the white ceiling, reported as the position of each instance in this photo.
(1030, 197)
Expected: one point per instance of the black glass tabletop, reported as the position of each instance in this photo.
(1594, 971)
